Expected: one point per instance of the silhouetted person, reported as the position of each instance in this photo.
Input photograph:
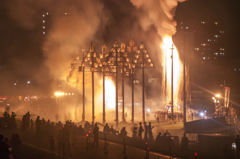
(106, 128)
(51, 142)
(140, 130)
(134, 135)
(158, 138)
(123, 132)
(4, 152)
(95, 133)
(237, 141)
(184, 142)
(87, 126)
(146, 131)
(38, 126)
(150, 131)
(81, 130)
(66, 131)
(13, 121)
(167, 133)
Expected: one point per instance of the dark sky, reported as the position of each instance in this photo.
(227, 11)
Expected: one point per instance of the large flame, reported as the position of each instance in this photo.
(110, 94)
(177, 69)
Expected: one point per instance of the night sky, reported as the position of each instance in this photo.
(223, 10)
(21, 47)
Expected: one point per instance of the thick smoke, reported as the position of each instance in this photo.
(86, 20)
(69, 25)
(159, 13)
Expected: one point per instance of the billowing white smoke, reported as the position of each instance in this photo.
(159, 13)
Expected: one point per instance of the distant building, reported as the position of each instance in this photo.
(204, 44)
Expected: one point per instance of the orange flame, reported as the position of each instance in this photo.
(177, 69)
(110, 94)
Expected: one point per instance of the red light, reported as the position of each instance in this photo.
(87, 135)
(148, 148)
(1, 116)
(146, 143)
(195, 153)
(89, 131)
(63, 126)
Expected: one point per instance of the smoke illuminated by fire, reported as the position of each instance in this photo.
(98, 21)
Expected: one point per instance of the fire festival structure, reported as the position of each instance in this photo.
(121, 61)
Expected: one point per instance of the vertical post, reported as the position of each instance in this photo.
(116, 89)
(166, 80)
(116, 95)
(123, 106)
(104, 120)
(143, 98)
(83, 113)
(223, 97)
(93, 117)
(132, 92)
(93, 97)
(184, 84)
(76, 97)
(172, 83)
(83, 83)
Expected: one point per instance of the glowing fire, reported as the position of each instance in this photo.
(177, 69)
(110, 94)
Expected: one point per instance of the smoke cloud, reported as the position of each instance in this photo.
(159, 13)
(71, 24)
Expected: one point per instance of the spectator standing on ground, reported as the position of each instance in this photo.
(158, 138)
(95, 133)
(140, 130)
(106, 128)
(150, 131)
(184, 142)
(123, 132)
(38, 126)
(146, 131)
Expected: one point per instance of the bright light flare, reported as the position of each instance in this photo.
(201, 114)
(217, 95)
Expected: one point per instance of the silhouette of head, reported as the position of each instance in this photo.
(1, 137)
